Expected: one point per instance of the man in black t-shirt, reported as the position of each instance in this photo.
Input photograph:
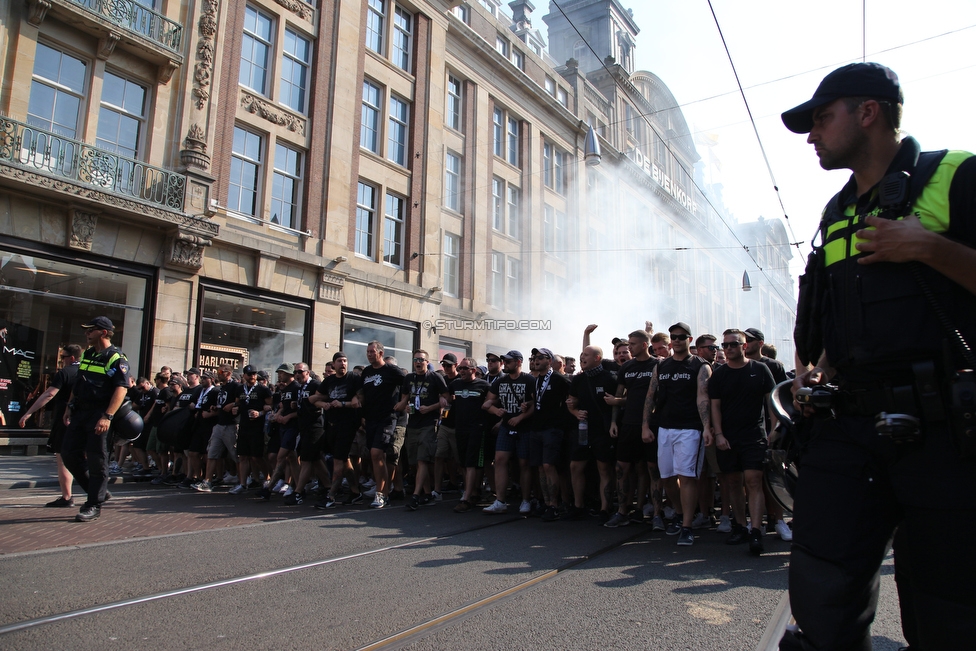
(589, 390)
(378, 393)
(678, 395)
(466, 396)
(738, 391)
(249, 401)
(634, 378)
(549, 424)
(60, 389)
(311, 435)
(337, 396)
(512, 399)
(286, 417)
(420, 396)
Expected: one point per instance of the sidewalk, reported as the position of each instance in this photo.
(34, 471)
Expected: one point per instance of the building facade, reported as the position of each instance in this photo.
(274, 180)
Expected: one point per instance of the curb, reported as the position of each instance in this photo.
(53, 481)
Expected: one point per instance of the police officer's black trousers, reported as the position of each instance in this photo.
(81, 441)
(856, 490)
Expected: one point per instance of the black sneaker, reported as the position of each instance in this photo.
(413, 503)
(264, 494)
(674, 527)
(328, 503)
(550, 514)
(396, 495)
(88, 513)
(294, 499)
(738, 536)
(186, 483)
(61, 503)
(756, 541)
(686, 538)
(174, 480)
(353, 498)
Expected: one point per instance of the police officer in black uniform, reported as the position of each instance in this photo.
(893, 458)
(100, 389)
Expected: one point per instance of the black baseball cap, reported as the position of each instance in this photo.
(247, 370)
(853, 80)
(543, 352)
(100, 322)
(755, 333)
(449, 358)
(338, 354)
(681, 325)
(192, 371)
(512, 354)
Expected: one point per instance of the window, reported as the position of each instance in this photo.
(454, 102)
(375, 25)
(463, 12)
(402, 30)
(255, 50)
(553, 168)
(498, 131)
(513, 141)
(57, 89)
(562, 96)
(452, 254)
(497, 297)
(286, 186)
(501, 44)
(397, 143)
(294, 71)
(518, 58)
(550, 85)
(365, 212)
(121, 116)
(245, 172)
(514, 196)
(498, 204)
(369, 134)
(514, 285)
(555, 231)
(452, 182)
(393, 230)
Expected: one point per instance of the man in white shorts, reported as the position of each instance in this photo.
(679, 396)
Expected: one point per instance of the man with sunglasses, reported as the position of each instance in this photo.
(98, 392)
(420, 396)
(737, 392)
(707, 350)
(512, 399)
(466, 396)
(678, 394)
(447, 447)
(248, 400)
(311, 435)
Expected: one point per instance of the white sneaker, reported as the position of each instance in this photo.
(525, 508)
(648, 510)
(288, 491)
(435, 496)
(724, 524)
(378, 501)
(345, 483)
(277, 486)
(784, 531)
(496, 507)
(237, 490)
(229, 478)
(368, 484)
(284, 489)
(370, 493)
(668, 513)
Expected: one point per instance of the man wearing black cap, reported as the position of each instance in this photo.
(512, 399)
(549, 425)
(337, 396)
(98, 392)
(893, 252)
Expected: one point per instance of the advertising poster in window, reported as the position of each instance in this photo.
(20, 381)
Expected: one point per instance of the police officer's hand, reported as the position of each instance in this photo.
(891, 240)
(102, 425)
(811, 378)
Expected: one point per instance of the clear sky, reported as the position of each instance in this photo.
(781, 51)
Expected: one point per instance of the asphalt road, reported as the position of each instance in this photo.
(256, 575)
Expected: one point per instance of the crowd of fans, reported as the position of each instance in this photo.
(655, 434)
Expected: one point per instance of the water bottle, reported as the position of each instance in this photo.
(584, 433)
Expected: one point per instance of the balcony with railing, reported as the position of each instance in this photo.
(127, 24)
(63, 159)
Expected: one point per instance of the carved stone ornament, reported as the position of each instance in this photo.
(206, 51)
(297, 7)
(186, 251)
(252, 104)
(194, 152)
(106, 45)
(82, 229)
(37, 11)
(330, 287)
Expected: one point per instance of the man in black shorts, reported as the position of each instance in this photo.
(633, 380)
(549, 424)
(512, 399)
(420, 396)
(737, 391)
(378, 395)
(250, 401)
(337, 396)
(466, 396)
(311, 436)
(588, 391)
(286, 416)
(204, 419)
